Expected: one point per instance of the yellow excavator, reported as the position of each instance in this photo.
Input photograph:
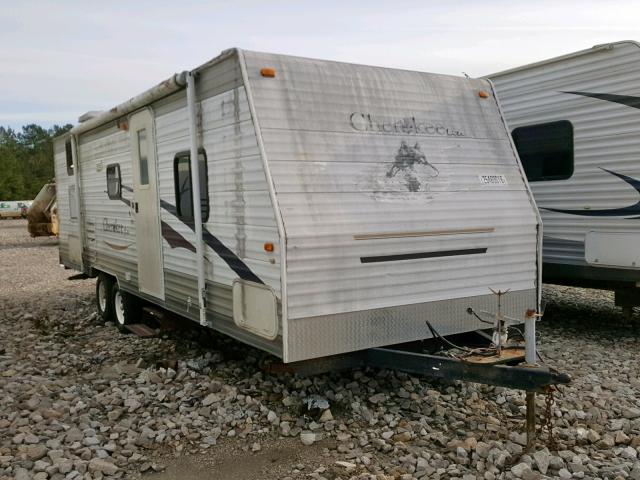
(42, 216)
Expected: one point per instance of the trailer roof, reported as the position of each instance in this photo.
(177, 82)
(595, 48)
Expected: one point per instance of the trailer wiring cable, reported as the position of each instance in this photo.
(437, 335)
(471, 311)
(485, 351)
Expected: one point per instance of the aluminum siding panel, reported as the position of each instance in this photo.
(334, 183)
(325, 335)
(606, 135)
(241, 215)
(110, 230)
(219, 309)
(243, 219)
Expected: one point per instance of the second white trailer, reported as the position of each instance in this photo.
(575, 120)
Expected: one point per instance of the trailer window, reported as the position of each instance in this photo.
(546, 150)
(182, 179)
(114, 189)
(142, 157)
(69, 153)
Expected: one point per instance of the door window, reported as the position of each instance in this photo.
(143, 154)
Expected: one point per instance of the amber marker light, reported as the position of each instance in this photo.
(483, 94)
(268, 72)
(268, 247)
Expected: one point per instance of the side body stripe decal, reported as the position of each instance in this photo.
(230, 258)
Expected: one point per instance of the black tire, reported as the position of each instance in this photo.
(127, 308)
(104, 297)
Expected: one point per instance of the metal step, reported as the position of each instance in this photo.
(141, 330)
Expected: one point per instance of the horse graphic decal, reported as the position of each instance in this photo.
(405, 162)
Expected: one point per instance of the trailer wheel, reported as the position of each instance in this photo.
(126, 308)
(104, 298)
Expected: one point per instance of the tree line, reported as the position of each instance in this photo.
(26, 160)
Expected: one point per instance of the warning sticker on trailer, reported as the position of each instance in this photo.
(493, 179)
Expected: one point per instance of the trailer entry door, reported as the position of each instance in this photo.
(145, 189)
(74, 239)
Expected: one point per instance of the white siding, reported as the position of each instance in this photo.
(111, 249)
(606, 135)
(241, 215)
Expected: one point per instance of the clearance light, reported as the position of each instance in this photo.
(483, 94)
(268, 247)
(268, 72)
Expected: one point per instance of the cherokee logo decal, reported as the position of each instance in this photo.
(366, 122)
(405, 164)
(117, 228)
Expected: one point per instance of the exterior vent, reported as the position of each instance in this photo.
(89, 115)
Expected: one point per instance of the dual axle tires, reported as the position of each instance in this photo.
(115, 305)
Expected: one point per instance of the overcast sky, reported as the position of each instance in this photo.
(61, 59)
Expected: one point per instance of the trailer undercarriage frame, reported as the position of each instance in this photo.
(530, 378)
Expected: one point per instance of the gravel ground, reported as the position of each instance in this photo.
(78, 400)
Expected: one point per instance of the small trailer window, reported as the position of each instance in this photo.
(546, 150)
(142, 157)
(182, 179)
(69, 153)
(73, 206)
(114, 190)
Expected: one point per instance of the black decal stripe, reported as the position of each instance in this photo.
(169, 208)
(175, 239)
(627, 100)
(609, 212)
(415, 256)
(230, 258)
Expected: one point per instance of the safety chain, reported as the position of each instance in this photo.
(547, 421)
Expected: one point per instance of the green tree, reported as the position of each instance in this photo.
(26, 160)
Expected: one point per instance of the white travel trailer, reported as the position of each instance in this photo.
(575, 120)
(340, 206)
